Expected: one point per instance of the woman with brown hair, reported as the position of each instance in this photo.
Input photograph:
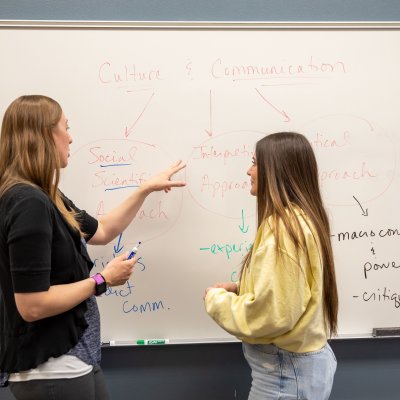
(284, 308)
(49, 320)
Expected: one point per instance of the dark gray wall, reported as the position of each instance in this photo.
(202, 10)
(368, 369)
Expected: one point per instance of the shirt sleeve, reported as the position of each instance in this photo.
(29, 242)
(274, 300)
(88, 223)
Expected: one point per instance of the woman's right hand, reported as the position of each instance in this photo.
(119, 270)
(228, 286)
(162, 180)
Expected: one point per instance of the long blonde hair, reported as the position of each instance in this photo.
(28, 153)
(287, 179)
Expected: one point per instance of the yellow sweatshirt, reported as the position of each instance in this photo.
(280, 298)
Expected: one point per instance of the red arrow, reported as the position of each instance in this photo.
(282, 112)
(129, 130)
(210, 132)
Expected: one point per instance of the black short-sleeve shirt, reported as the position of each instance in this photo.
(38, 248)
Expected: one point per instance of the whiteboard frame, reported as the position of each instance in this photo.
(205, 25)
(173, 342)
(251, 25)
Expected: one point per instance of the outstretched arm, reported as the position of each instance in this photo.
(116, 221)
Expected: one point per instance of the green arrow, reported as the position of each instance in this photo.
(242, 227)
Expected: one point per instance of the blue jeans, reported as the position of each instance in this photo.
(282, 375)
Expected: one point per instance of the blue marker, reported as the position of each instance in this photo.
(134, 251)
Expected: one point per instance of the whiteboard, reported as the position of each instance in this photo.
(139, 99)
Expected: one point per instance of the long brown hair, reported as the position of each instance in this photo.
(287, 179)
(28, 153)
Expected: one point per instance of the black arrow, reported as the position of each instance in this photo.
(365, 213)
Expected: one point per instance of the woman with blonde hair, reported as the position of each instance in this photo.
(49, 320)
(284, 308)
